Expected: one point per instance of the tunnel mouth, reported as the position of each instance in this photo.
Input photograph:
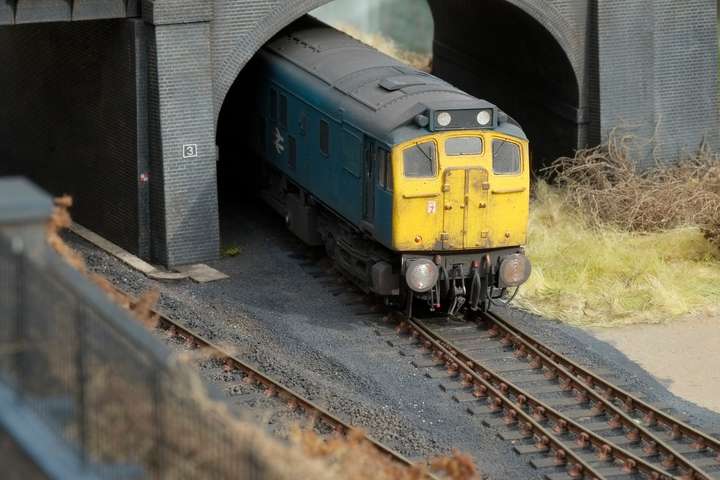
(237, 169)
(525, 72)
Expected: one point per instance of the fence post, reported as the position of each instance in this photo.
(18, 250)
(81, 379)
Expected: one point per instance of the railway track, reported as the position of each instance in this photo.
(573, 422)
(272, 387)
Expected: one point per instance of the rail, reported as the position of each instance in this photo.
(555, 432)
(272, 386)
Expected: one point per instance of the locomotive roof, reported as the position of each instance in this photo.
(369, 89)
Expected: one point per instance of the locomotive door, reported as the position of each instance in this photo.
(465, 195)
(453, 209)
(368, 183)
(476, 211)
(302, 145)
(278, 129)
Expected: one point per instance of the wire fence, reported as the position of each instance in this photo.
(100, 383)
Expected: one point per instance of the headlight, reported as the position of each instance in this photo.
(421, 275)
(484, 118)
(444, 119)
(514, 270)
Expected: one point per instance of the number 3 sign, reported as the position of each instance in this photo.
(190, 150)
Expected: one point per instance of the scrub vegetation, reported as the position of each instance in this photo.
(612, 245)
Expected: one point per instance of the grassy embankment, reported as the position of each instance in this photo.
(604, 275)
(612, 246)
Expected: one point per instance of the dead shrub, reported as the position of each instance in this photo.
(353, 456)
(606, 187)
(712, 232)
(458, 466)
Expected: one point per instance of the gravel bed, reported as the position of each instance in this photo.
(304, 329)
(274, 314)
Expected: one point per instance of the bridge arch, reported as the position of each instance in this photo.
(566, 35)
(523, 56)
(249, 43)
(549, 103)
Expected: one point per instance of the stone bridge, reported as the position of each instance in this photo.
(119, 102)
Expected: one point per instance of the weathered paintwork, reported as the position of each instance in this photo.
(369, 103)
(466, 206)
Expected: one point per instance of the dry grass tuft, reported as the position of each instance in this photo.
(352, 457)
(59, 220)
(712, 231)
(458, 466)
(604, 185)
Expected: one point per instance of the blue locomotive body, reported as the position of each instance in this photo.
(357, 151)
(309, 137)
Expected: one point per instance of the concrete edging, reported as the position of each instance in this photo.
(200, 273)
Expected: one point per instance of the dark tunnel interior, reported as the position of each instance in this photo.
(502, 54)
(497, 52)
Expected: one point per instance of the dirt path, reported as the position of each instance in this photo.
(684, 355)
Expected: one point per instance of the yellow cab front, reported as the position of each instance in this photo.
(460, 190)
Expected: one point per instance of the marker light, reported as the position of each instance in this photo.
(421, 275)
(444, 119)
(484, 117)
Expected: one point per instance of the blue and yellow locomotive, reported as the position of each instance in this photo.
(416, 189)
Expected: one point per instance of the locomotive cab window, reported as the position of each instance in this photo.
(463, 146)
(384, 169)
(506, 157)
(324, 138)
(420, 160)
(273, 104)
(388, 172)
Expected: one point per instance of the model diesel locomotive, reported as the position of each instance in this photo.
(417, 190)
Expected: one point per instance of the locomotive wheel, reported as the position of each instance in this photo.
(444, 285)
